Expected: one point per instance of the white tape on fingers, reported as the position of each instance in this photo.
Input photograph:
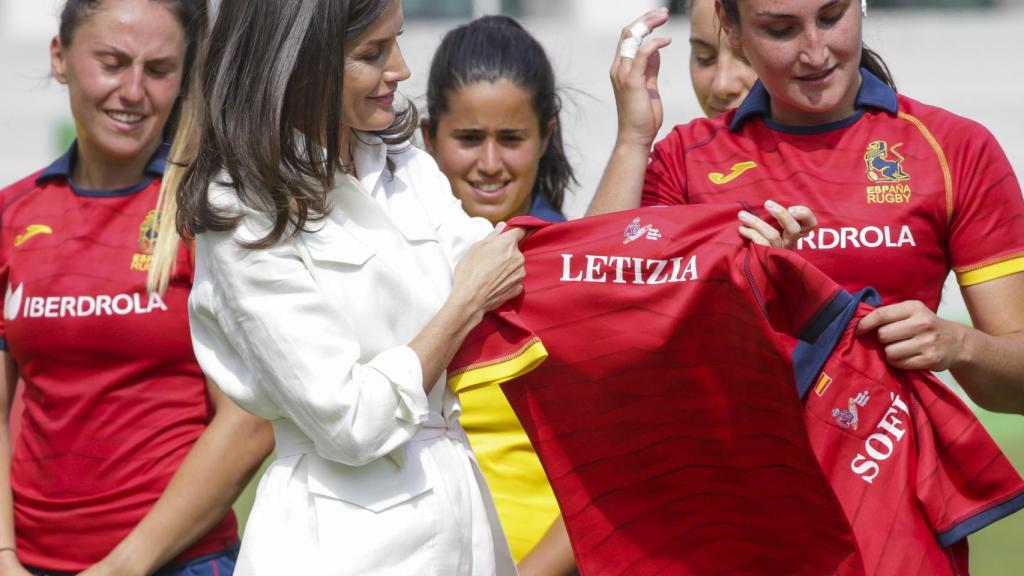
(632, 43)
(630, 46)
(864, 7)
(639, 30)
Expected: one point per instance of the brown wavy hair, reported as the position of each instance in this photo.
(273, 73)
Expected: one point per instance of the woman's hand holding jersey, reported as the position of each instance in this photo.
(915, 338)
(793, 223)
(984, 359)
(491, 272)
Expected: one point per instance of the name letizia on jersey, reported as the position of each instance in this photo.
(627, 270)
(15, 304)
(850, 237)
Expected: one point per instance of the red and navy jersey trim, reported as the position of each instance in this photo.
(62, 167)
(814, 349)
(980, 520)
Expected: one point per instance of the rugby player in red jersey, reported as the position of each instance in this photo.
(127, 461)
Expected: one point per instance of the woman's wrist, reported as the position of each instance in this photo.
(632, 143)
(462, 311)
(9, 562)
(966, 341)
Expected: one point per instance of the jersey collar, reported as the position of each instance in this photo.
(62, 167)
(541, 208)
(873, 93)
(820, 338)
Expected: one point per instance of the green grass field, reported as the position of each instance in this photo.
(999, 549)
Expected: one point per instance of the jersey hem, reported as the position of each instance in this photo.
(980, 520)
(499, 370)
(991, 271)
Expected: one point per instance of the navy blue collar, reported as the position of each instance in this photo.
(541, 208)
(62, 167)
(820, 338)
(873, 93)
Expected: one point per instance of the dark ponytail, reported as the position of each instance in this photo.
(497, 47)
(872, 62)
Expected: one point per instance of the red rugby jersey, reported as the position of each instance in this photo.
(665, 415)
(902, 191)
(114, 398)
(912, 466)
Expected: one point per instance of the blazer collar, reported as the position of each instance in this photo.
(370, 155)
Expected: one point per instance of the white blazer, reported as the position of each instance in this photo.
(372, 476)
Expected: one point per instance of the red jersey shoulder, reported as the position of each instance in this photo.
(25, 184)
(9, 197)
(696, 132)
(14, 191)
(944, 125)
(666, 180)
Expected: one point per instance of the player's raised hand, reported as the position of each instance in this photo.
(914, 337)
(634, 76)
(793, 223)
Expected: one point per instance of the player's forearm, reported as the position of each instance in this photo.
(622, 183)
(205, 486)
(552, 556)
(441, 338)
(991, 370)
(9, 563)
(6, 501)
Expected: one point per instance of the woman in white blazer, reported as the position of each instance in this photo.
(336, 275)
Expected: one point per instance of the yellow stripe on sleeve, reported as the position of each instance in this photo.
(500, 370)
(988, 272)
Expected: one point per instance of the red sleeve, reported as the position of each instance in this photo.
(665, 180)
(986, 239)
(795, 296)
(964, 482)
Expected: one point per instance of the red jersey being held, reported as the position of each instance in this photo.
(665, 415)
(666, 418)
(913, 467)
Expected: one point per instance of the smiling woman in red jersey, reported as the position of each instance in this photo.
(127, 462)
(903, 192)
